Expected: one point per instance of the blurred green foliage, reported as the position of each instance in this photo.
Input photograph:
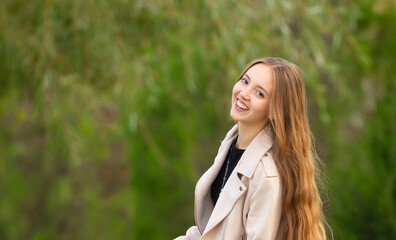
(111, 110)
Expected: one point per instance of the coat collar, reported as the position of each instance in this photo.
(246, 166)
(253, 153)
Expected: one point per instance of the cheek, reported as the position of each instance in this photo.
(235, 90)
(262, 106)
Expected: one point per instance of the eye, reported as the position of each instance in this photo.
(260, 93)
(243, 80)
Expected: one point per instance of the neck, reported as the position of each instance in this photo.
(246, 134)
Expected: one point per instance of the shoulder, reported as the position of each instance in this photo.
(265, 187)
(266, 170)
(268, 165)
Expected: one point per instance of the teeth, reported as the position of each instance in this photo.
(241, 105)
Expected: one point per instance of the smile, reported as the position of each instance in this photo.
(241, 105)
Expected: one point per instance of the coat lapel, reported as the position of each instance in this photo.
(232, 191)
(203, 199)
(234, 188)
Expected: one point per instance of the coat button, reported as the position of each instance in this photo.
(240, 188)
(266, 154)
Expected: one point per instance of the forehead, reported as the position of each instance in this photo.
(261, 74)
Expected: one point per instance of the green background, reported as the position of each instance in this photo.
(110, 110)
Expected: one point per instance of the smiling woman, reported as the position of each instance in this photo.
(262, 182)
(251, 100)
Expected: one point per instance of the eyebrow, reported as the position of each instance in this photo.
(257, 85)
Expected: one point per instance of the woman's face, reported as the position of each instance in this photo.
(251, 96)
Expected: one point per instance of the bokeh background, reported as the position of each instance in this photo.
(110, 110)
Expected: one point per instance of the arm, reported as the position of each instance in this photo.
(191, 234)
(265, 210)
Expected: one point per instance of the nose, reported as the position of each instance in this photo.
(245, 94)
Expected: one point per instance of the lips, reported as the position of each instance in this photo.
(241, 105)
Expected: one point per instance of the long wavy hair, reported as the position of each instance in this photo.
(294, 153)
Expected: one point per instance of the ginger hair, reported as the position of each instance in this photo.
(294, 153)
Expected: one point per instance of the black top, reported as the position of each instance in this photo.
(233, 156)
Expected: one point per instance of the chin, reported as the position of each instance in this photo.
(235, 118)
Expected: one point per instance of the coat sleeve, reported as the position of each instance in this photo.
(264, 214)
(191, 234)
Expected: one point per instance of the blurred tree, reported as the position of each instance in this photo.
(111, 110)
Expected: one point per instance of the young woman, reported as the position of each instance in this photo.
(262, 182)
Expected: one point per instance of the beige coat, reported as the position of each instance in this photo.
(249, 206)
